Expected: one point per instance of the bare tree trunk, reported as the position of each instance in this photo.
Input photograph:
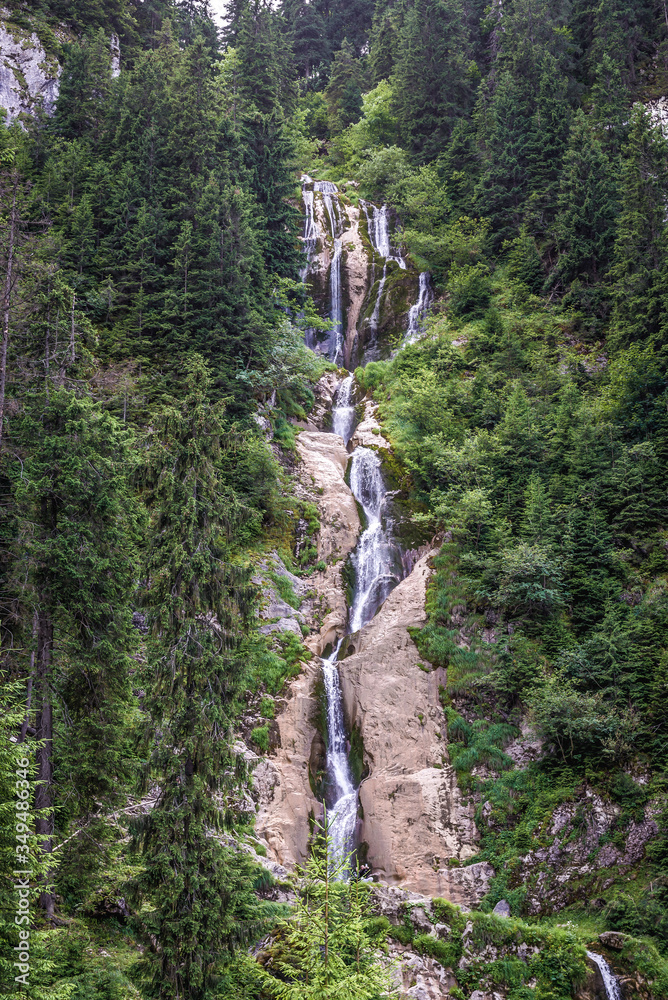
(6, 301)
(26, 721)
(44, 733)
(74, 299)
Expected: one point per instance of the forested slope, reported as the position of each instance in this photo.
(152, 303)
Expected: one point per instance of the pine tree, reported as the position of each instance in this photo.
(327, 946)
(502, 187)
(588, 206)
(77, 532)
(383, 43)
(638, 268)
(199, 607)
(343, 94)
(545, 146)
(431, 80)
(307, 33)
(346, 19)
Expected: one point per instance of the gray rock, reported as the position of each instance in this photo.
(613, 939)
(282, 625)
(502, 909)
(28, 76)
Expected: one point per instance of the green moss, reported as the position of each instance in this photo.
(260, 737)
(356, 761)
(267, 708)
(285, 589)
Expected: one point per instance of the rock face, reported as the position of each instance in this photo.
(281, 783)
(324, 460)
(414, 820)
(28, 76)
(367, 433)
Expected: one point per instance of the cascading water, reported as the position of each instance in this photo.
(343, 413)
(612, 988)
(310, 237)
(343, 814)
(327, 189)
(378, 225)
(376, 558)
(417, 311)
(378, 569)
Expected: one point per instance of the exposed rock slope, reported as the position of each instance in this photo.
(414, 819)
(282, 780)
(324, 460)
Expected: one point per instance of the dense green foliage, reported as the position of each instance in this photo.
(150, 256)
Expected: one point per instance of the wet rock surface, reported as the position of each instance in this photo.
(414, 819)
(324, 460)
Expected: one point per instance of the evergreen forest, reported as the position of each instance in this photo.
(154, 380)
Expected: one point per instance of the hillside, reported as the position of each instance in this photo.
(333, 442)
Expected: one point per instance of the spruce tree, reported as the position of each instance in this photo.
(199, 610)
(638, 270)
(77, 531)
(505, 128)
(327, 947)
(431, 82)
(588, 205)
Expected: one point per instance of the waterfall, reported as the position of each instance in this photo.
(343, 413)
(417, 311)
(612, 988)
(375, 315)
(310, 237)
(327, 189)
(376, 559)
(336, 336)
(378, 225)
(343, 814)
(378, 569)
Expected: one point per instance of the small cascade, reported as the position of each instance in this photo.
(327, 189)
(378, 224)
(336, 336)
(417, 311)
(343, 813)
(343, 412)
(375, 315)
(376, 558)
(310, 237)
(612, 988)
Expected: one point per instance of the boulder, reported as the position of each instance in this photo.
(614, 940)
(502, 909)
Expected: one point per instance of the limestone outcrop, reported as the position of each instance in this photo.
(281, 782)
(367, 433)
(29, 77)
(324, 460)
(414, 821)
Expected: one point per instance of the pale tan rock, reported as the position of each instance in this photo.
(355, 276)
(414, 817)
(324, 460)
(367, 433)
(281, 782)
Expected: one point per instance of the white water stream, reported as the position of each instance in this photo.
(343, 412)
(612, 988)
(377, 559)
(327, 189)
(416, 312)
